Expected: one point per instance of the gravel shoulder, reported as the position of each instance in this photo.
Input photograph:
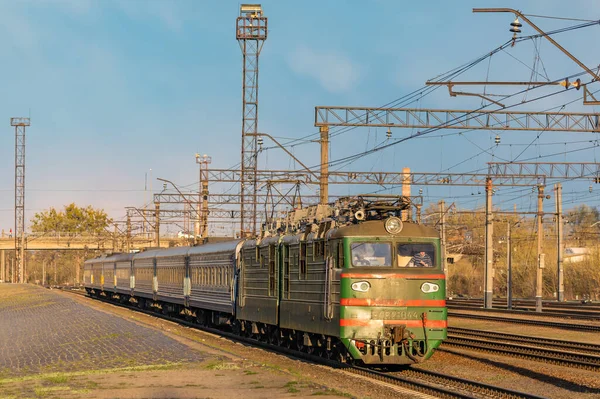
(214, 367)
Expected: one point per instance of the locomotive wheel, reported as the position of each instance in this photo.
(300, 342)
(319, 345)
(279, 338)
(288, 337)
(200, 317)
(274, 336)
(236, 327)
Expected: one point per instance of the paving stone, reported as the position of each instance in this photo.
(42, 331)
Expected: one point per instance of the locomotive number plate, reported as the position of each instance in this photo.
(396, 314)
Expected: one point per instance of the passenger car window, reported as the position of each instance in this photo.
(371, 254)
(416, 255)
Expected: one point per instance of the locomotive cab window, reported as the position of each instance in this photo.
(416, 255)
(371, 254)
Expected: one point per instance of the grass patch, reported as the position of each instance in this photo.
(44, 391)
(221, 366)
(257, 387)
(57, 379)
(250, 372)
(291, 387)
(38, 377)
(332, 392)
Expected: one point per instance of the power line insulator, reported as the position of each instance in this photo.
(515, 25)
(497, 139)
(389, 133)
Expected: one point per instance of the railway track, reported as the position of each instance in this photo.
(530, 348)
(554, 343)
(427, 382)
(565, 313)
(541, 323)
(558, 309)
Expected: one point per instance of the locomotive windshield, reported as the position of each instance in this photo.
(416, 255)
(371, 254)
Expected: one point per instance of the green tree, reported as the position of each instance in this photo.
(72, 219)
(60, 267)
(582, 221)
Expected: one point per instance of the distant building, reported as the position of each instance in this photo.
(575, 254)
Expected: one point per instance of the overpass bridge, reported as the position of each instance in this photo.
(35, 242)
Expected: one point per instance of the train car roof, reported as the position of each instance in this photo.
(377, 228)
(118, 257)
(176, 251)
(106, 258)
(146, 254)
(225, 246)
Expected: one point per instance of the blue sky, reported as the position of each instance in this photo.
(116, 88)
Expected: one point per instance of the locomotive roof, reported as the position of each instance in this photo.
(377, 228)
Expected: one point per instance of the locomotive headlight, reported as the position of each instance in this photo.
(429, 287)
(393, 225)
(361, 286)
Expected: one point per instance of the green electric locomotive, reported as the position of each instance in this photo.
(355, 284)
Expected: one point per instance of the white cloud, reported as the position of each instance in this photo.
(334, 71)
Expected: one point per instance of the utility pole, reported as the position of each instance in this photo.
(128, 233)
(443, 235)
(251, 33)
(406, 214)
(157, 223)
(3, 265)
(559, 243)
(540, 227)
(508, 267)
(489, 246)
(324, 178)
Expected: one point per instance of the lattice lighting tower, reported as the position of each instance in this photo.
(20, 124)
(203, 161)
(251, 33)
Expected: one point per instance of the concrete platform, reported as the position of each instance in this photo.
(44, 331)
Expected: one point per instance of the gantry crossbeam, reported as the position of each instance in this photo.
(552, 170)
(383, 178)
(457, 119)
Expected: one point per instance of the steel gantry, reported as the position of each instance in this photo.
(380, 178)
(433, 119)
(457, 119)
(20, 124)
(552, 171)
(251, 33)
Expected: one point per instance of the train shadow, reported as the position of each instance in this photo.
(549, 379)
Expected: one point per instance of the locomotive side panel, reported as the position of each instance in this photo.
(258, 299)
(311, 288)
